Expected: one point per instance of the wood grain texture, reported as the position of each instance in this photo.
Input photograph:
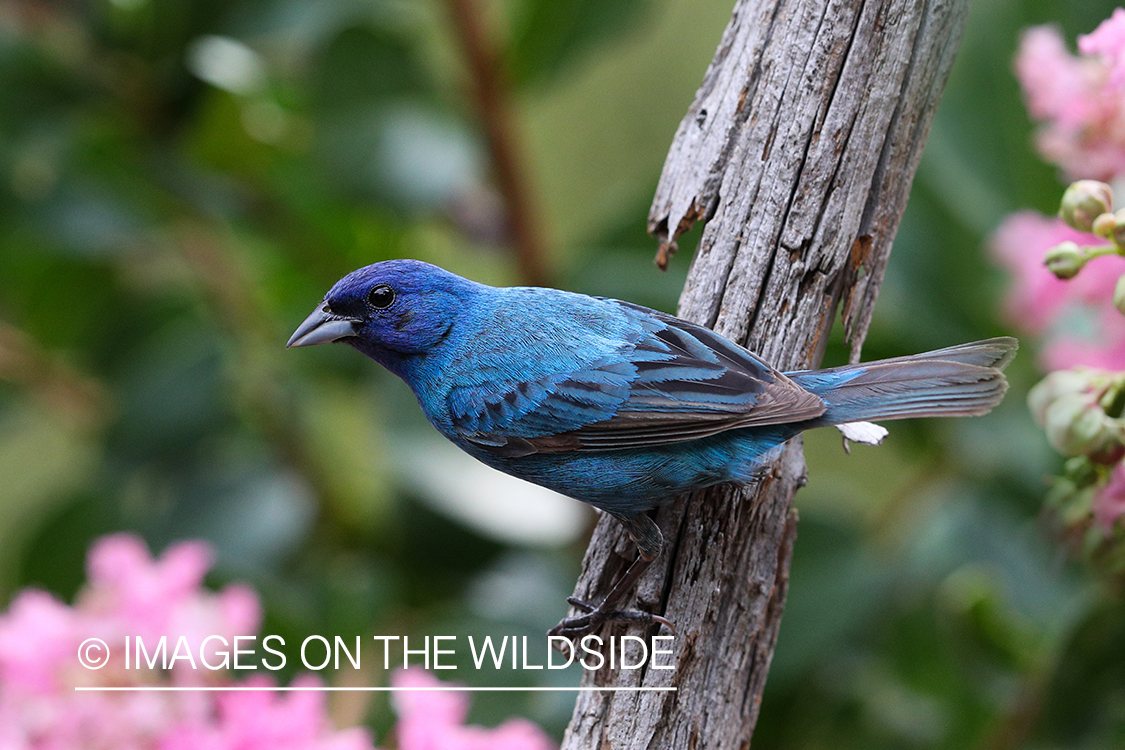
(798, 152)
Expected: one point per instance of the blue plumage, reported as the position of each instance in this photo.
(611, 403)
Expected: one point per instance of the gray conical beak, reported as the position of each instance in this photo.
(322, 327)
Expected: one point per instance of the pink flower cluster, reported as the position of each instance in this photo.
(1079, 100)
(129, 593)
(1074, 319)
(1079, 103)
(434, 720)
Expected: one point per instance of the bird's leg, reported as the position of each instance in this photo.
(644, 531)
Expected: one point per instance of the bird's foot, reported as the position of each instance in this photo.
(574, 629)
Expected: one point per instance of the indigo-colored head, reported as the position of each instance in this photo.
(388, 310)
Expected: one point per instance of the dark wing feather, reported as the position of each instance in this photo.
(678, 382)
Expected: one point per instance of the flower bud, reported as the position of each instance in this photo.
(1075, 426)
(1083, 202)
(1074, 408)
(1105, 224)
(1056, 385)
(1117, 234)
(1065, 260)
(1119, 295)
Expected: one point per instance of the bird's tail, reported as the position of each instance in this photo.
(959, 381)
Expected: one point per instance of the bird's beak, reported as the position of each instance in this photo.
(322, 327)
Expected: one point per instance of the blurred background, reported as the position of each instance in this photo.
(182, 180)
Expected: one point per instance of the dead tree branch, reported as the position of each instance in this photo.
(798, 152)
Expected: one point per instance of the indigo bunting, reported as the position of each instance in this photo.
(612, 403)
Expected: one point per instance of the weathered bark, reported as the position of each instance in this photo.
(798, 151)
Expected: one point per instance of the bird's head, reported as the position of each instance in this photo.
(388, 310)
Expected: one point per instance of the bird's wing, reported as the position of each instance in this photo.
(673, 381)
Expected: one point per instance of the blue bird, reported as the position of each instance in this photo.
(614, 404)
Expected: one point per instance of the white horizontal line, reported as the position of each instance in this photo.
(341, 689)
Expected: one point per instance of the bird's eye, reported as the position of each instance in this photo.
(381, 297)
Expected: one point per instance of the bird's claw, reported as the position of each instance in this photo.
(574, 629)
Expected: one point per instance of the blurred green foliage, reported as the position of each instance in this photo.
(181, 181)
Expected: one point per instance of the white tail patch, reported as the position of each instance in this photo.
(867, 433)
